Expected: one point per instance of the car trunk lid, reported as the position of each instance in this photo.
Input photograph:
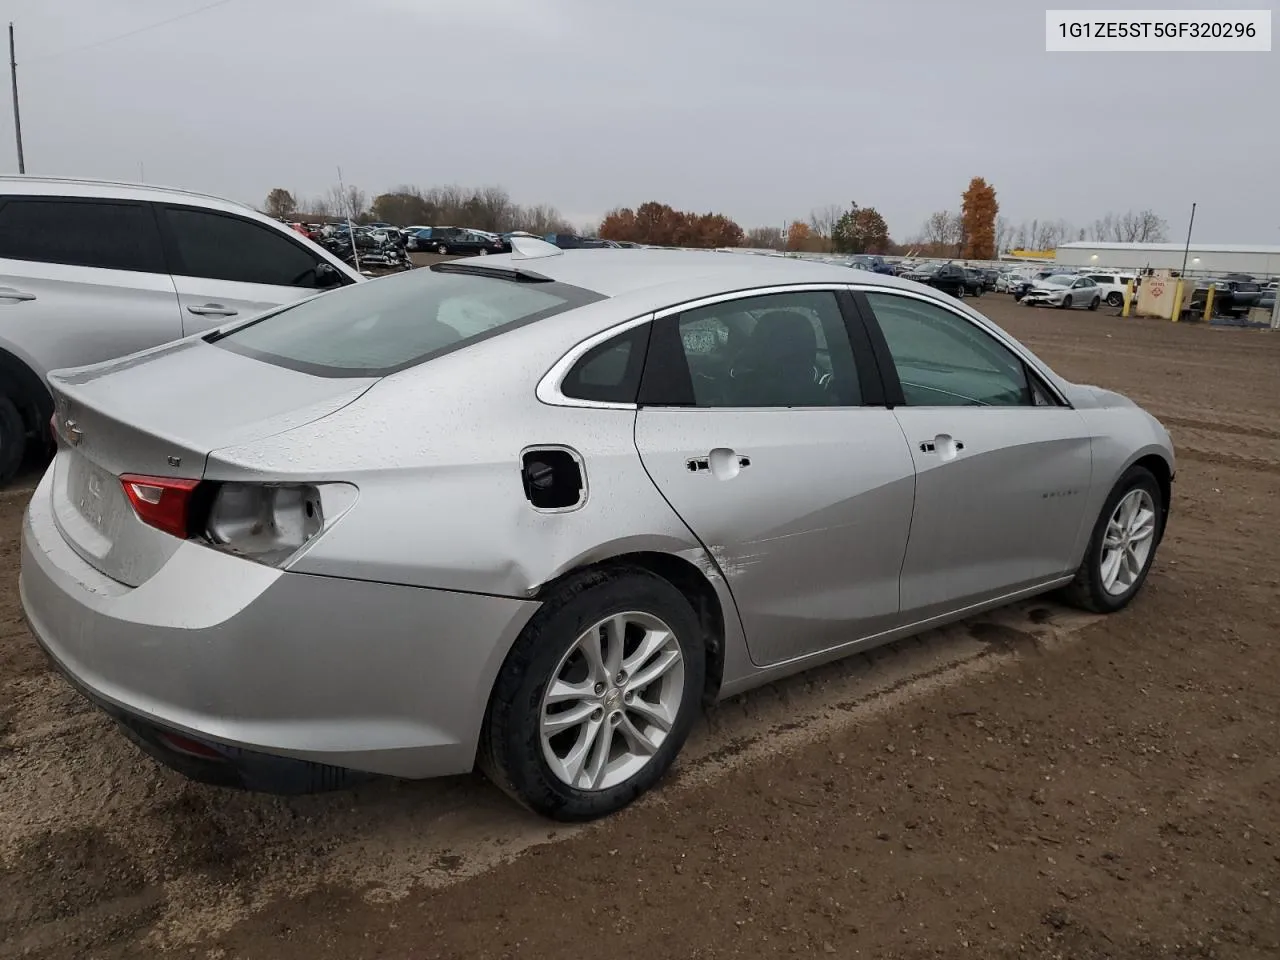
(177, 403)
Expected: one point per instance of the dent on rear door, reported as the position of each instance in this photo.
(806, 511)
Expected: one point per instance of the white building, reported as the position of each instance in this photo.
(1213, 258)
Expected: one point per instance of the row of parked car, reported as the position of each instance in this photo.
(444, 240)
(1235, 293)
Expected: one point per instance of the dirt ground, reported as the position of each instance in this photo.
(1036, 783)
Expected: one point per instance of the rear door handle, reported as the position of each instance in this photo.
(943, 444)
(9, 293)
(720, 462)
(212, 310)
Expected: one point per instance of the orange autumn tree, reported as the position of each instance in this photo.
(664, 226)
(798, 235)
(978, 210)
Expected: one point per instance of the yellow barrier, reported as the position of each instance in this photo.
(1177, 301)
(1128, 299)
(1208, 305)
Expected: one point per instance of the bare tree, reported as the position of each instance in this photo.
(938, 229)
(766, 238)
(823, 220)
(539, 219)
(1004, 233)
(1142, 226)
(348, 202)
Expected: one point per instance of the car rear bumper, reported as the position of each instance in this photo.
(251, 660)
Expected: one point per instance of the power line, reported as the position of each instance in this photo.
(130, 33)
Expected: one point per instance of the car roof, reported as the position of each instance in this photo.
(114, 190)
(616, 272)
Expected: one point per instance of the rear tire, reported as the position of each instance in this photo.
(13, 439)
(513, 741)
(1089, 590)
(1115, 299)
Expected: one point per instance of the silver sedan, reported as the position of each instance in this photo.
(535, 512)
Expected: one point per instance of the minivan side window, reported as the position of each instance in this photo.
(219, 246)
(108, 234)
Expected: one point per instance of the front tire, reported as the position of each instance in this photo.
(1123, 545)
(1093, 304)
(1066, 302)
(596, 697)
(441, 249)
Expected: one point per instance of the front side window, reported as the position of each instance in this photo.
(777, 350)
(377, 328)
(943, 359)
(219, 246)
(111, 235)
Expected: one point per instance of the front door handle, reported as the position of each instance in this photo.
(212, 310)
(9, 293)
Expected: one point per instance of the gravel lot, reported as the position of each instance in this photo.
(1035, 783)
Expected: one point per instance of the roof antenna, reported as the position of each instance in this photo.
(531, 248)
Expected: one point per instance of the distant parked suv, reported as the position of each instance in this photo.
(92, 270)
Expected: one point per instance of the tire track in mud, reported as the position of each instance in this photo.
(178, 862)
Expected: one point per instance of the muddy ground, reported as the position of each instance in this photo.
(1036, 783)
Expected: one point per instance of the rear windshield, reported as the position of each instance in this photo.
(379, 327)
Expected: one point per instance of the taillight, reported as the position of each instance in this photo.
(161, 502)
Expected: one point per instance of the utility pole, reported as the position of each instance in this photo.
(17, 119)
(1187, 249)
(351, 230)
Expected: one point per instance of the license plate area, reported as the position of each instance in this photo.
(95, 494)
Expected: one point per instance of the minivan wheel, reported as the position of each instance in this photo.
(596, 697)
(1123, 545)
(13, 439)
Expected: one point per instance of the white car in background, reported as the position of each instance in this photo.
(1065, 290)
(92, 270)
(1111, 286)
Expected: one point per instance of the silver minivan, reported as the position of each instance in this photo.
(91, 270)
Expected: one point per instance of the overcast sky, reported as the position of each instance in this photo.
(761, 109)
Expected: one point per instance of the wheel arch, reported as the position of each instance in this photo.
(686, 577)
(30, 393)
(1162, 470)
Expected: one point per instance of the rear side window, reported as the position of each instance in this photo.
(81, 233)
(610, 372)
(376, 328)
(219, 246)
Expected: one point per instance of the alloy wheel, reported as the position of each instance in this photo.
(1127, 543)
(612, 701)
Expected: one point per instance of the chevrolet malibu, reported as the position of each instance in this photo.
(533, 513)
